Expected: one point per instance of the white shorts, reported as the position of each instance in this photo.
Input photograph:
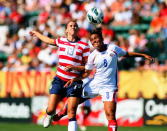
(107, 94)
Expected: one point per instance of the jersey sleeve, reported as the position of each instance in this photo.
(120, 52)
(90, 63)
(56, 42)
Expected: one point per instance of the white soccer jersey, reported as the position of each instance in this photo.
(70, 53)
(106, 67)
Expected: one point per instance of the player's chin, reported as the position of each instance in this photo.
(73, 32)
(97, 48)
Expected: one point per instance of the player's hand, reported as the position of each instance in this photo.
(69, 68)
(151, 59)
(33, 33)
(69, 83)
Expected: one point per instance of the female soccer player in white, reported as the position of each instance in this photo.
(72, 51)
(104, 59)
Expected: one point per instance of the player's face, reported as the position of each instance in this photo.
(72, 28)
(96, 41)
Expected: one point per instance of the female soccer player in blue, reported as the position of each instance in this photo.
(71, 51)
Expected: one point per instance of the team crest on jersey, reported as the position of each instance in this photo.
(111, 54)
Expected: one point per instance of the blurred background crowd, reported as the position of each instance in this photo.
(135, 25)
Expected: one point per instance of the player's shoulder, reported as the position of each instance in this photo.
(93, 53)
(112, 46)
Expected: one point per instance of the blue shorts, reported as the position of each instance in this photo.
(74, 90)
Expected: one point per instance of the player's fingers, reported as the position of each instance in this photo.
(68, 68)
(149, 58)
(152, 60)
(67, 84)
(32, 33)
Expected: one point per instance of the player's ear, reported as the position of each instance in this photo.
(66, 32)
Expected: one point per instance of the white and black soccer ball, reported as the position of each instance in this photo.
(95, 16)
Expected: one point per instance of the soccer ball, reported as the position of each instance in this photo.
(95, 16)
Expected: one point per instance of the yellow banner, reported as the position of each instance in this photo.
(147, 84)
(24, 84)
(132, 84)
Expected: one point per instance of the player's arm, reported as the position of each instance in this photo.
(78, 68)
(121, 52)
(84, 75)
(71, 67)
(87, 70)
(42, 37)
(134, 54)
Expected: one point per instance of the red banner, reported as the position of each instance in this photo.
(129, 112)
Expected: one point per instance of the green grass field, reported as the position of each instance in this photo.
(32, 127)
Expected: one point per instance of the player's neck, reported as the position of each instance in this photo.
(103, 48)
(72, 38)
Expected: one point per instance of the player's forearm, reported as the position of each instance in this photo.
(134, 54)
(44, 38)
(79, 68)
(86, 74)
